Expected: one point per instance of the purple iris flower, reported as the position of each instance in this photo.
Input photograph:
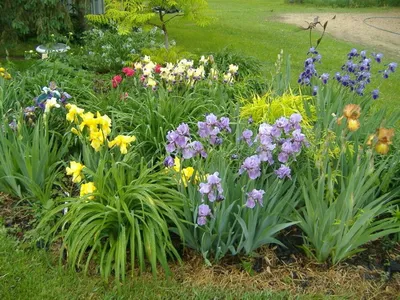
(375, 94)
(324, 77)
(252, 166)
(295, 119)
(287, 147)
(298, 136)
(283, 157)
(253, 197)
(315, 90)
(392, 67)
(203, 212)
(378, 57)
(211, 120)
(246, 135)
(204, 130)
(183, 129)
(13, 125)
(224, 124)
(198, 148)
(352, 53)
(213, 188)
(283, 171)
(169, 161)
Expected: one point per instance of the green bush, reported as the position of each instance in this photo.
(106, 50)
(40, 18)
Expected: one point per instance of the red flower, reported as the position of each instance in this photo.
(128, 71)
(116, 80)
(157, 69)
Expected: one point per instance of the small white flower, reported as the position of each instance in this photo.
(51, 103)
(233, 69)
(146, 59)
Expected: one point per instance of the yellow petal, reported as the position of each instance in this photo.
(382, 148)
(353, 124)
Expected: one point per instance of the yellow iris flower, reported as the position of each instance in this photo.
(97, 139)
(186, 173)
(88, 120)
(105, 123)
(75, 169)
(122, 141)
(73, 111)
(88, 188)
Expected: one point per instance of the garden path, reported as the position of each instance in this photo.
(380, 31)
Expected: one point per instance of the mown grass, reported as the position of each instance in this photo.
(252, 27)
(28, 274)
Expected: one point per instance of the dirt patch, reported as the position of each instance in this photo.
(379, 31)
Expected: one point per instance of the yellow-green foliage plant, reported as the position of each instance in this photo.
(268, 108)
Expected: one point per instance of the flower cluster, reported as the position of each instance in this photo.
(98, 128)
(381, 140)
(179, 142)
(214, 192)
(282, 141)
(309, 67)
(356, 72)
(229, 77)
(212, 127)
(183, 72)
(4, 74)
(352, 113)
(51, 97)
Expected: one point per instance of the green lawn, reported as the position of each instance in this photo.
(251, 28)
(28, 274)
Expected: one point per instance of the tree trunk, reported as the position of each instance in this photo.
(164, 29)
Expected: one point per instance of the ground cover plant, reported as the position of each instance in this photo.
(161, 160)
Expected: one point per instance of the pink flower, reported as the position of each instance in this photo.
(157, 69)
(116, 80)
(128, 71)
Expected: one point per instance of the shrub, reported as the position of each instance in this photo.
(106, 50)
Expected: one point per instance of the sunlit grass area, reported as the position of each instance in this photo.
(252, 27)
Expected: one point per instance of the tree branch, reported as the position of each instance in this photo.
(154, 24)
(178, 15)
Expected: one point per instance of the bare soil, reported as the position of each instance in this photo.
(378, 31)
